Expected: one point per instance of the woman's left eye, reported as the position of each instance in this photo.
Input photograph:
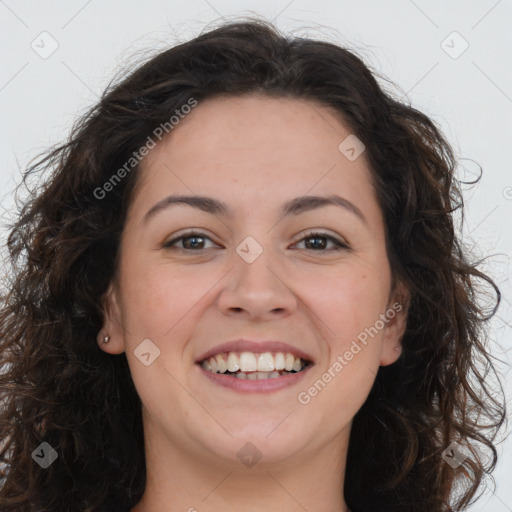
(195, 241)
(320, 241)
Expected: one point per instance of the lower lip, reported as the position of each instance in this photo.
(255, 386)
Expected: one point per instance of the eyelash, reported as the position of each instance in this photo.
(312, 234)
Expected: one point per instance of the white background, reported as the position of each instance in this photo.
(469, 96)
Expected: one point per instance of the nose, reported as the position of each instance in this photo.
(257, 291)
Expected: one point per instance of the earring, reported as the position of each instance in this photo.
(397, 348)
(106, 339)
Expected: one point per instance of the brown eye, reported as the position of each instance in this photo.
(318, 242)
(191, 241)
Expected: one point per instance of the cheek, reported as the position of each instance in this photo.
(158, 304)
(347, 300)
(158, 298)
(349, 303)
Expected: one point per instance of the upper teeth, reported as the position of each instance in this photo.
(252, 362)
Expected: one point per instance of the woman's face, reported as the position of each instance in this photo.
(253, 271)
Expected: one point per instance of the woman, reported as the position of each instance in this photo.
(241, 289)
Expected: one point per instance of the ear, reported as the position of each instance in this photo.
(396, 314)
(112, 323)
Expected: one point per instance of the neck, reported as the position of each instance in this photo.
(177, 480)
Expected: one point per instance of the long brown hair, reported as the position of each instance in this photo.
(57, 386)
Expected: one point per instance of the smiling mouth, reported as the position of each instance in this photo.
(255, 366)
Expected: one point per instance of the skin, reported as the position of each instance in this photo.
(253, 153)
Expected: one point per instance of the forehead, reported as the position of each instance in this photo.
(260, 123)
(235, 130)
(253, 149)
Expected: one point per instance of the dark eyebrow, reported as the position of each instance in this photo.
(294, 206)
(306, 203)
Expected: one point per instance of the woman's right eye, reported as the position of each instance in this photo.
(192, 242)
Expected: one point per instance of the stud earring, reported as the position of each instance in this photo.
(397, 348)
(106, 339)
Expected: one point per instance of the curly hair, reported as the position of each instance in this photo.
(57, 386)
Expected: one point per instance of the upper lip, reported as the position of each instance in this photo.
(258, 347)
